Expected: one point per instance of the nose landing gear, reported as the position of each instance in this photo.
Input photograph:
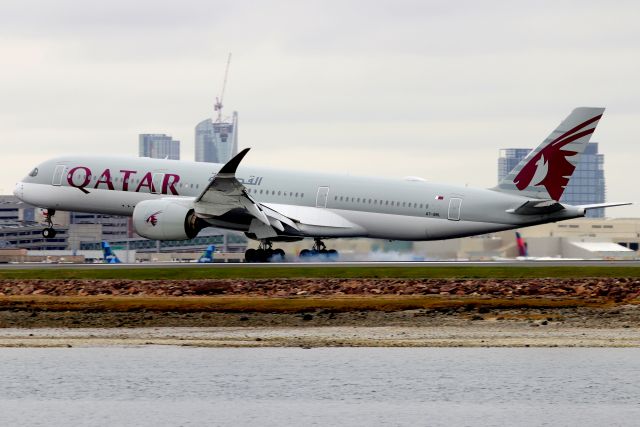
(264, 253)
(49, 232)
(320, 250)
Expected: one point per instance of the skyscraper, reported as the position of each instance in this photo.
(158, 146)
(217, 142)
(509, 159)
(586, 185)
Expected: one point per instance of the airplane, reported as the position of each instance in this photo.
(207, 255)
(109, 256)
(523, 248)
(175, 200)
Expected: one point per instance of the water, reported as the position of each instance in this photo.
(156, 386)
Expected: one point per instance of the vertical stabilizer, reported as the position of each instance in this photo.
(109, 256)
(545, 172)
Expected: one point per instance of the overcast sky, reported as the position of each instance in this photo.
(392, 88)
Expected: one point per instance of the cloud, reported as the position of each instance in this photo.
(420, 85)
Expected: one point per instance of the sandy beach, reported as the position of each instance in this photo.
(494, 335)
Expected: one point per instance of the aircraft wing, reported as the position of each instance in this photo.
(225, 193)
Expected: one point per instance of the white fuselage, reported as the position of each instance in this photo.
(375, 207)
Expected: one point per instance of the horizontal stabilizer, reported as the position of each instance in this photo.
(603, 205)
(537, 207)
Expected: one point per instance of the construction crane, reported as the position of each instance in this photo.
(218, 105)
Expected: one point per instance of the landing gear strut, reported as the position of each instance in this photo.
(49, 232)
(319, 249)
(264, 253)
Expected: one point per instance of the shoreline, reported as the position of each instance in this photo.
(314, 337)
(308, 313)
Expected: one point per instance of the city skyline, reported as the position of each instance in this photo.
(216, 141)
(441, 84)
(158, 146)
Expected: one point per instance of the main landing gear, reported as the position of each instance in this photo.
(320, 250)
(49, 232)
(264, 253)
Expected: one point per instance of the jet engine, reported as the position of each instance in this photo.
(166, 219)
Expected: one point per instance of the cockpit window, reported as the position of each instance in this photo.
(34, 172)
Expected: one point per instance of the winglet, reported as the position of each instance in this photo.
(231, 166)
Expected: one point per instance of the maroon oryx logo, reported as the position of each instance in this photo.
(550, 167)
(153, 218)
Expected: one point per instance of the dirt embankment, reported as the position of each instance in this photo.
(587, 303)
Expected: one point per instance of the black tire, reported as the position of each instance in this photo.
(261, 255)
(332, 254)
(250, 255)
(268, 255)
(305, 253)
(49, 233)
(279, 253)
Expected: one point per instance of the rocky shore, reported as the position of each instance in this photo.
(614, 289)
(322, 312)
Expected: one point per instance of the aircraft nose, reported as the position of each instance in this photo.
(17, 190)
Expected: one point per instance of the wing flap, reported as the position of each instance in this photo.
(311, 215)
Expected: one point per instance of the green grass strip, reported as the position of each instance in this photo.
(266, 272)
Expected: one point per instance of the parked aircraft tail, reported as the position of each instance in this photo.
(523, 251)
(545, 172)
(207, 255)
(109, 256)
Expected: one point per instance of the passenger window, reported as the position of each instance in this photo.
(301, 194)
(261, 191)
(278, 193)
(391, 203)
(358, 200)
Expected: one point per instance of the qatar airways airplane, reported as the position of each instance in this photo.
(174, 200)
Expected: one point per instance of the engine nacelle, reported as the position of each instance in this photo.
(166, 219)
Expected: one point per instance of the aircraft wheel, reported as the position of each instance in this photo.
(278, 255)
(49, 233)
(332, 254)
(250, 255)
(261, 255)
(305, 253)
(268, 255)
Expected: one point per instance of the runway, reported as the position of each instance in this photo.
(337, 264)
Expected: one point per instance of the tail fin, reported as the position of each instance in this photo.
(522, 245)
(545, 172)
(109, 256)
(207, 256)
